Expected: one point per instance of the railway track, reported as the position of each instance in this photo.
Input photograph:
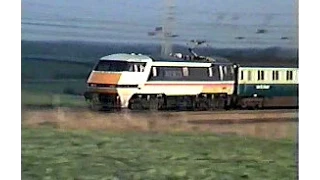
(238, 111)
(195, 117)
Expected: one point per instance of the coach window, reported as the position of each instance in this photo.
(210, 72)
(249, 75)
(231, 70)
(275, 75)
(225, 70)
(172, 72)
(260, 75)
(185, 71)
(215, 73)
(289, 75)
(154, 72)
(221, 72)
(241, 75)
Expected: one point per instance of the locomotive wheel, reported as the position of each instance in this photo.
(244, 105)
(202, 105)
(154, 104)
(95, 107)
(220, 103)
(94, 103)
(135, 106)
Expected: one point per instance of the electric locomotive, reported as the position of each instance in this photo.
(137, 81)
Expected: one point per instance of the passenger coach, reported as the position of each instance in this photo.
(269, 84)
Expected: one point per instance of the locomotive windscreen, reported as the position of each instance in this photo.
(117, 66)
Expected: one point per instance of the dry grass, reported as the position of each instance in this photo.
(64, 118)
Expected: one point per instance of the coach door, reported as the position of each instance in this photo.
(236, 78)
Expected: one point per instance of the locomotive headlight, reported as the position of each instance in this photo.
(92, 85)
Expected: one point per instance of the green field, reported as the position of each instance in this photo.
(53, 83)
(59, 154)
(77, 86)
(51, 99)
(54, 69)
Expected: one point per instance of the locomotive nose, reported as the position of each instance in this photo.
(104, 78)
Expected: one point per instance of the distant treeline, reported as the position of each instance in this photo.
(91, 51)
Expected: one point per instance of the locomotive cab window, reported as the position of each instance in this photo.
(289, 75)
(136, 67)
(131, 68)
(118, 66)
(140, 67)
(113, 66)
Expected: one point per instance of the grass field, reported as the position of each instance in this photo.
(53, 83)
(77, 86)
(53, 77)
(54, 69)
(59, 154)
(51, 100)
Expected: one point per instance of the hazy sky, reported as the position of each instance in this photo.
(218, 21)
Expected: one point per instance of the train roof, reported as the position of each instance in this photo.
(269, 63)
(146, 58)
(191, 59)
(126, 57)
(280, 63)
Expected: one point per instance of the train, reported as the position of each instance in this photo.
(189, 82)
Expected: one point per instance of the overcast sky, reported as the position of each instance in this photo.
(215, 20)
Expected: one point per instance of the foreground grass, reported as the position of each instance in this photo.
(55, 154)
